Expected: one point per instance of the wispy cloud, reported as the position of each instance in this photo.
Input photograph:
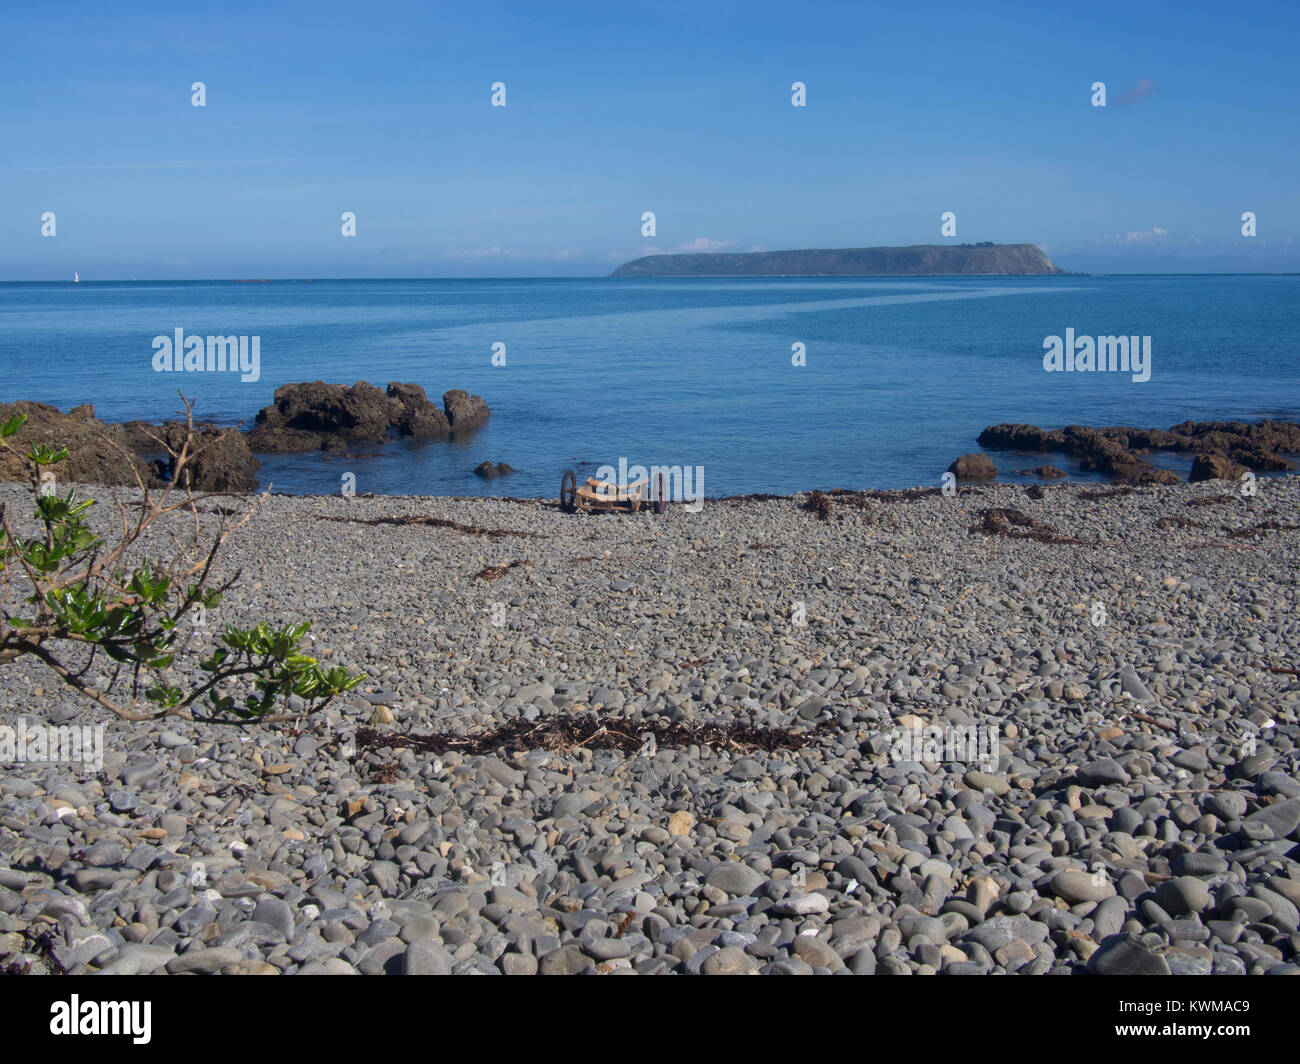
(703, 243)
(1139, 92)
(1138, 238)
(514, 254)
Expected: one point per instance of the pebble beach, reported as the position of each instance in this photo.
(1126, 648)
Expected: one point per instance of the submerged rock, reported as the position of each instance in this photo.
(488, 471)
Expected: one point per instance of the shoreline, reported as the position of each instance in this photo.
(311, 424)
(901, 494)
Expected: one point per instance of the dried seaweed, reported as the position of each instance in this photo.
(1243, 533)
(1015, 524)
(42, 943)
(819, 503)
(1261, 528)
(1106, 493)
(564, 732)
(1210, 500)
(495, 572)
(1174, 521)
(904, 495)
(1219, 544)
(434, 522)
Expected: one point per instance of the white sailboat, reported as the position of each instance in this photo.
(75, 277)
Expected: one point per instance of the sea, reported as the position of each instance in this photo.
(760, 385)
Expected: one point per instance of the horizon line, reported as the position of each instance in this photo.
(693, 277)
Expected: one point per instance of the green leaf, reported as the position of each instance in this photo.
(43, 454)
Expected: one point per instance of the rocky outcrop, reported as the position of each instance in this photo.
(1215, 467)
(218, 460)
(304, 417)
(488, 471)
(1046, 472)
(413, 415)
(466, 412)
(1258, 445)
(319, 416)
(974, 467)
(916, 260)
(1119, 451)
(98, 452)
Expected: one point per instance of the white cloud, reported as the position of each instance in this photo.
(703, 243)
(699, 244)
(1138, 238)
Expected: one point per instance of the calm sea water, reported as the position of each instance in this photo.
(901, 374)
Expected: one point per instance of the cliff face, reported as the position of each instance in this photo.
(917, 260)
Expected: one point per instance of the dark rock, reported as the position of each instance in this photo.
(413, 414)
(465, 412)
(1101, 773)
(1215, 467)
(1198, 864)
(1118, 450)
(1184, 894)
(426, 957)
(320, 416)
(98, 453)
(303, 415)
(488, 471)
(1125, 955)
(217, 459)
(1281, 818)
(974, 467)
(1155, 476)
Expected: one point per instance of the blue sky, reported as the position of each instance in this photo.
(615, 108)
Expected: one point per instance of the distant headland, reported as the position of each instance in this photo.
(986, 259)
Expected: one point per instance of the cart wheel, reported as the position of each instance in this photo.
(569, 491)
(661, 500)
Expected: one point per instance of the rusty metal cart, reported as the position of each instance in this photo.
(604, 496)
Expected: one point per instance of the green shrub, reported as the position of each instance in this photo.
(78, 590)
